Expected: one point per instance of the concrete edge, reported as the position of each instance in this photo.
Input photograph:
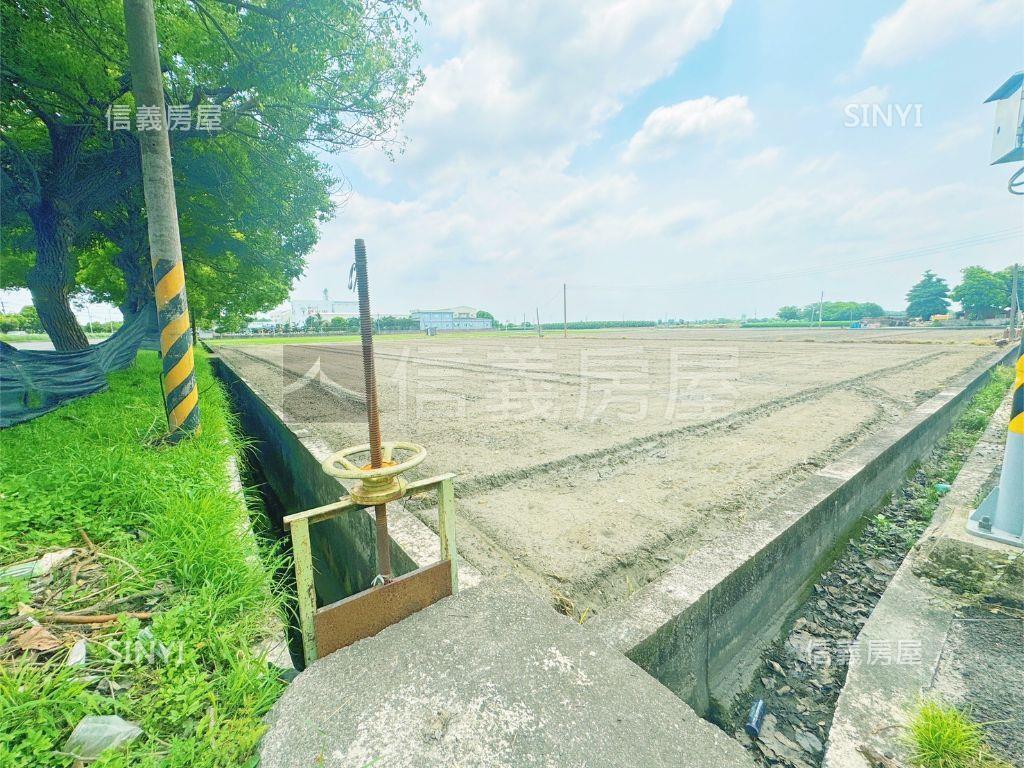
(274, 647)
(700, 627)
(912, 608)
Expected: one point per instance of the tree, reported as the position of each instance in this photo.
(296, 75)
(1007, 276)
(788, 312)
(482, 313)
(981, 293)
(929, 296)
(30, 322)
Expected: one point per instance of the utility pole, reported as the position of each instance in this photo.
(1014, 304)
(821, 308)
(181, 395)
(539, 334)
(565, 316)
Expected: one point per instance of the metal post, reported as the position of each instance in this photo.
(1013, 303)
(446, 528)
(305, 592)
(181, 395)
(380, 511)
(565, 315)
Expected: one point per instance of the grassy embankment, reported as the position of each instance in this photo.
(157, 532)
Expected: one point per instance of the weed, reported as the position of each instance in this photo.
(944, 737)
(158, 515)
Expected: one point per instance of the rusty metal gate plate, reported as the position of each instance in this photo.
(367, 613)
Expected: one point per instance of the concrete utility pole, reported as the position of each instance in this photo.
(565, 316)
(821, 308)
(539, 334)
(181, 396)
(1014, 308)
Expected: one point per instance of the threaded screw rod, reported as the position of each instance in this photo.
(380, 511)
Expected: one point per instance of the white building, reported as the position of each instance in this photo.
(461, 318)
(327, 308)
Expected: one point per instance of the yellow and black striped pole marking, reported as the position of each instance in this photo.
(181, 397)
(1017, 409)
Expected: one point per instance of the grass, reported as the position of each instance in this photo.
(971, 424)
(941, 736)
(14, 338)
(163, 520)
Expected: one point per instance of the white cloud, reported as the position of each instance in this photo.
(919, 26)
(763, 159)
(969, 131)
(873, 94)
(534, 77)
(819, 164)
(667, 127)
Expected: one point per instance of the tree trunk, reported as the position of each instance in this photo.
(133, 262)
(51, 278)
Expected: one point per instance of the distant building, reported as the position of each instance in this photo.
(454, 318)
(326, 307)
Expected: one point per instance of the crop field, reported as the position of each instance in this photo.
(589, 465)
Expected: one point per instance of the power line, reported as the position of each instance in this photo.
(914, 253)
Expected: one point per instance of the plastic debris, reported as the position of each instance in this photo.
(96, 734)
(76, 656)
(36, 568)
(943, 488)
(151, 645)
(754, 719)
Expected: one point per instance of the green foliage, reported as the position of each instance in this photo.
(796, 324)
(589, 325)
(849, 311)
(981, 293)
(929, 296)
(26, 320)
(289, 78)
(788, 312)
(1006, 275)
(943, 737)
(169, 516)
(484, 314)
(41, 705)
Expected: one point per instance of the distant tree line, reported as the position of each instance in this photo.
(26, 320)
(982, 294)
(586, 325)
(831, 311)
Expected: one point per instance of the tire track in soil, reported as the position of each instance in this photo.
(640, 447)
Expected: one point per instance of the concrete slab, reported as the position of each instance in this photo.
(933, 634)
(491, 677)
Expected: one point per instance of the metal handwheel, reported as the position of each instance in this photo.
(380, 485)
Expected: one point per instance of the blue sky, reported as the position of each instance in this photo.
(653, 153)
(667, 158)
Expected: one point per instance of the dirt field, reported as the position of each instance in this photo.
(591, 464)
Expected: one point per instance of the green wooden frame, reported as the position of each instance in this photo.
(299, 523)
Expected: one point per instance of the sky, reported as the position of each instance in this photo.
(684, 158)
